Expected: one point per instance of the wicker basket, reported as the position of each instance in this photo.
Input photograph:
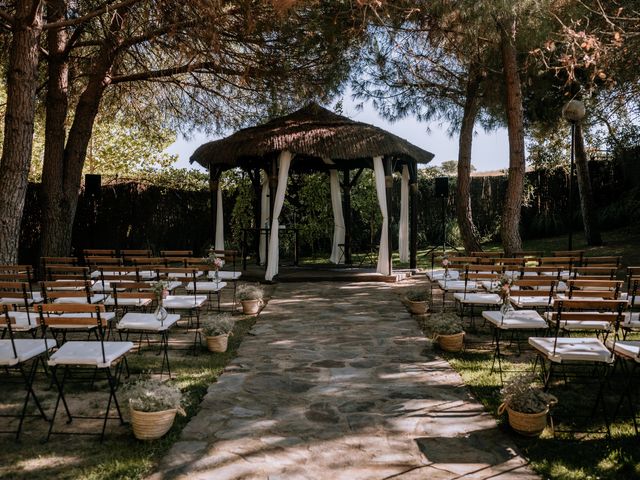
(250, 307)
(151, 425)
(528, 424)
(417, 308)
(451, 343)
(218, 343)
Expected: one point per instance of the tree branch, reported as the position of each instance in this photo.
(6, 16)
(90, 15)
(155, 33)
(211, 67)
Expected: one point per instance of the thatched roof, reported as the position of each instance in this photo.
(311, 133)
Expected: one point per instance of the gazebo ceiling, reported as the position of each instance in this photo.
(311, 133)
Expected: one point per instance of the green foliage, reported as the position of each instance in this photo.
(314, 213)
(365, 204)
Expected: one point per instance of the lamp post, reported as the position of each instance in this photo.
(573, 111)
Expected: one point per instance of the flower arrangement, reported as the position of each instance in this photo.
(445, 265)
(152, 395)
(221, 324)
(446, 323)
(504, 287)
(214, 260)
(250, 292)
(523, 395)
(161, 290)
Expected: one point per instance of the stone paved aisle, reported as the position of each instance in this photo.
(337, 382)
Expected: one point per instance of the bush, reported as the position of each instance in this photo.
(250, 292)
(152, 395)
(221, 324)
(446, 323)
(523, 395)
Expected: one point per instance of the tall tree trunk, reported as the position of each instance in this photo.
(468, 230)
(55, 136)
(510, 232)
(63, 190)
(22, 77)
(587, 205)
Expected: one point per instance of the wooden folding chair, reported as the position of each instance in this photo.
(16, 296)
(595, 289)
(533, 293)
(594, 273)
(101, 355)
(603, 261)
(66, 272)
(562, 353)
(16, 354)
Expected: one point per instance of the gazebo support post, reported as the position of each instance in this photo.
(413, 204)
(388, 182)
(273, 187)
(346, 189)
(214, 182)
(254, 176)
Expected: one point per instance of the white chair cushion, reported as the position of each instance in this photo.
(478, 298)
(629, 349)
(24, 321)
(184, 275)
(528, 302)
(107, 316)
(95, 298)
(128, 302)
(458, 285)
(184, 301)
(227, 275)
(205, 286)
(147, 321)
(575, 325)
(572, 349)
(89, 353)
(25, 348)
(439, 275)
(631, 320)
(515, 319)
(20, 302)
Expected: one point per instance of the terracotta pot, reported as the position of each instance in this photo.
(250, 307)
(151, 425)
(218, 343)
(528, 424)
(451, 343)
(417, 308)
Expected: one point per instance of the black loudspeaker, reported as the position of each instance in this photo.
(92, 185)
(442, 186)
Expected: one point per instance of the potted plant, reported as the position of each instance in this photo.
(527, 406)
(153, 405)
(250, 297)
(217, 332)
(448, 331)
(417, 301)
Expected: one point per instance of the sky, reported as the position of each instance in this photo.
(490, 150)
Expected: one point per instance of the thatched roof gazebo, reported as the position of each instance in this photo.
(316, 139)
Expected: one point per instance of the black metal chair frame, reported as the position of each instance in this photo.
(113, 380)
(27, 378)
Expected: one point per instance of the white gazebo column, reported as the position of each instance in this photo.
(338, 218)
(219, 242)
(264, 218)
(384, 263)
(284, 161)
(403, 233)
